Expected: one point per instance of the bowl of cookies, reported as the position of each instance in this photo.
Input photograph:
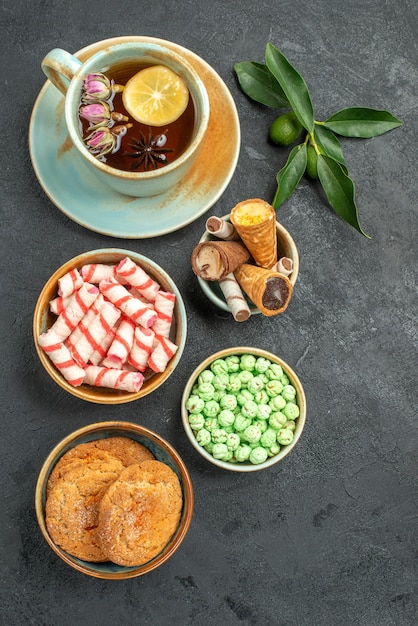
(243, 409)
(114, 500)
(110, 326)
(247, 262)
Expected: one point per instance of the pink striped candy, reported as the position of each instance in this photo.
(113, 378)
(161, 354)
(141, 348)
(164, 305)
(138, 278)
(127, 303)
(70, 282)
(63, 361)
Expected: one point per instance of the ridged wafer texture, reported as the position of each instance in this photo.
(268, 290)
(255, 222)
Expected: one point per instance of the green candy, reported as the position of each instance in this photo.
(290, 424)
(274, 388)
(261, 365)
(274, 372)
(226, 418)
(277, 403)
(233, 441)
(245, 376)
(242, 453)
(205, 377)
(262, 424)
(203, 437)
(252, 434)
(268, 438)
(220, 451)
(255, 384)
(247, 362)
(219, 435)
(277, 420)
(258, 455)
(219, 366)
(274, 449)
(244, 396)
(206, 391)
(195, 404)
(241, 422)
(211, 423)
(219, 393)
(284, 380)
(232, 362)
(263, 411)
(196, 421)
(285, 436)
(234, 384)
(249, 409)
(261, 397)
(291, 411)
(228, 401)
(211, 408)
(289, 392)
(220, 381)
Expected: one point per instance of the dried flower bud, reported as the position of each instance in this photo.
(96, 87)
(96, 113)
(100, 141)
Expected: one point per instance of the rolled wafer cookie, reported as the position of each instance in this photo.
(270, 291)
(161, 354)
(121, 345)
(164, 305)
(63, 361)
(113, 378)
(255, 221)
(141, 348)
(126, 302)
(138, 278)
(76, 308)
(213, 260)
(93, 335)
(221, 228)
(283, 266)
(235, 298)
(70, 282)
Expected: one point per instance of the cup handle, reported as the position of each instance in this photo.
(59, 67)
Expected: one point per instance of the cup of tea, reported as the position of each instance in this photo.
(136, 113)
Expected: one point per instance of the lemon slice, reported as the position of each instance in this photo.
(156, 96)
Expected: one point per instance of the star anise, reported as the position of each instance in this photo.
(148, 151)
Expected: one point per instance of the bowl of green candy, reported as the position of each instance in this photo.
(243, 409)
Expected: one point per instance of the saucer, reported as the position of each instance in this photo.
(78, 194)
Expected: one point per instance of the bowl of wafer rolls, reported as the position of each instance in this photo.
(114, 500)
(246, 262)
(110, 326)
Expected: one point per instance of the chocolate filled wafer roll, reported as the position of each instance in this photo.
(213, 260)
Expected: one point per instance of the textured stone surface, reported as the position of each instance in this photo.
(329, 535)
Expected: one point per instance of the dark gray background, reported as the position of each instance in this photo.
(327, 537)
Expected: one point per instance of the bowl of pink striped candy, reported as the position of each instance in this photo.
(110, 326)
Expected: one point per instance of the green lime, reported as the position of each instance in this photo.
(312, 163)
(285, 129)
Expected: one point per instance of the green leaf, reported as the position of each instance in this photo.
(259, 84)
(362, 122)
(339, 189)
(293, 85)
(290, 174)
(328, 143)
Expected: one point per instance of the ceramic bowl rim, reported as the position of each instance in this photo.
(245, 467)
(96, 394)
(125, 429)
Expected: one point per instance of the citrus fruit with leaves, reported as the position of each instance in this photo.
(312, 162)
(285, 129)
(156, 96)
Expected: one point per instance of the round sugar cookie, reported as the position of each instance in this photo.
(127, 450)
(139, 513)
(72, 508)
